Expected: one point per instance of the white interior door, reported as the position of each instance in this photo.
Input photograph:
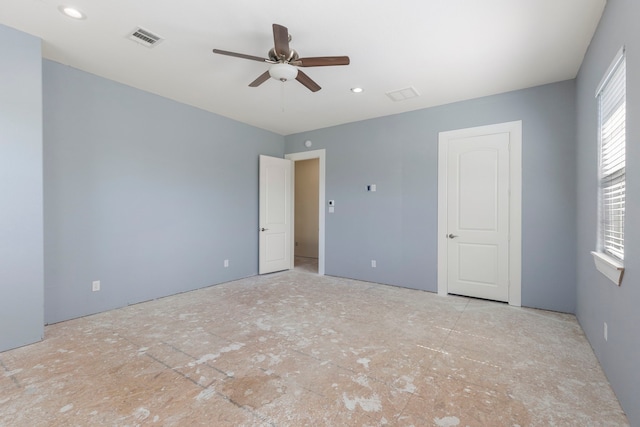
(478, 216)
(480, 207)
(275, 228)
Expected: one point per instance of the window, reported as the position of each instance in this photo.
(611, 97)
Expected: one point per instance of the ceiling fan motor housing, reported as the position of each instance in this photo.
(291, 56)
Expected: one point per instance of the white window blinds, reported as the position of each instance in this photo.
(611, 171)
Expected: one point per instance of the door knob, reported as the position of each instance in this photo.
(264, 229)
(452, 236)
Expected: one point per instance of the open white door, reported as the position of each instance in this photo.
(275, 215)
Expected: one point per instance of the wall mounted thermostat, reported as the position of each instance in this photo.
(332, 202)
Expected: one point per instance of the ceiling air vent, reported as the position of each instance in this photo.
(403, 94)
(145, 37)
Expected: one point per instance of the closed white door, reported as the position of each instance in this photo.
(478, 216)
(275, 215)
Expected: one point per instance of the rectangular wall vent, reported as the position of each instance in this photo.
(403, 94)
(145, 37)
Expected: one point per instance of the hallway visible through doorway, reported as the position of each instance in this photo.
(306, 221)
(307, 265)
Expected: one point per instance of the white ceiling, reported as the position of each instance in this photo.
(448, 50)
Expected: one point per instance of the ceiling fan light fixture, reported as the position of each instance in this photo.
(283, 72)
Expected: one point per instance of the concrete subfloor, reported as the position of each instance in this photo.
(296, 349)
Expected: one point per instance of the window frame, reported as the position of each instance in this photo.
(611, 172)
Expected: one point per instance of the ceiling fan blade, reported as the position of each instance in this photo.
(322, 61)
(307, 82)
(281, 40)
(261, 79)
(240, 55)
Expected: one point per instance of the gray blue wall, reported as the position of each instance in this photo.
(397, 224)
(21, 264)
(598, 299)
(147, 195)
(150, 196)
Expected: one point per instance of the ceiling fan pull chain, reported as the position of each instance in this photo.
(282, 96)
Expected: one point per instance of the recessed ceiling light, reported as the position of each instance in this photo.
(356, 89)
(72, 12)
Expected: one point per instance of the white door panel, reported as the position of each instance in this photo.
(478, 264)
(477, 186)
(276, 242)
(275, 215)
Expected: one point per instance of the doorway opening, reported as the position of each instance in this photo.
(308, 210)
(306, 187)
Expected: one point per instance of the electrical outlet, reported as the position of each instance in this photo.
(606, 331)
(226, 263)
(95, 285)
(373, 263)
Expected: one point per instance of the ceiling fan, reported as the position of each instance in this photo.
(285, 61)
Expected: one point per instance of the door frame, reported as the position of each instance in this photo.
(515, 203)
(307, 155)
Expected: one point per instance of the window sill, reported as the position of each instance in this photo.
(610, 267)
